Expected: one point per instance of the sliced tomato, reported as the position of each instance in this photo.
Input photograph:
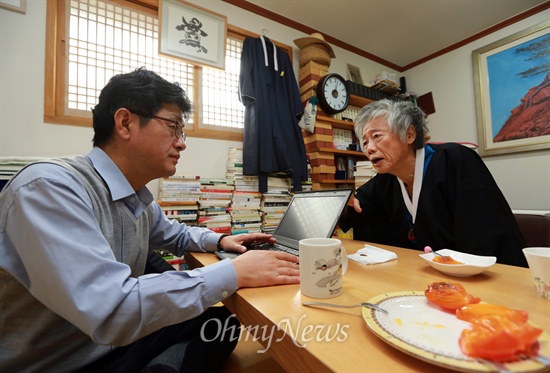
(445, 260)
(498, 337)
(449, 295)
(473, 311)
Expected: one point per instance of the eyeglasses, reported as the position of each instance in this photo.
(178, 126)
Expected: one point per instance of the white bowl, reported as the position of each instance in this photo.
(473, 264)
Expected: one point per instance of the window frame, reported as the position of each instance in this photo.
(55, 87)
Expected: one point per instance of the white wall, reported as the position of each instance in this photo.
(524, 178)
(24, 133)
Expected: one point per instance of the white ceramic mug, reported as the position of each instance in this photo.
(323, 262)
(538, 259)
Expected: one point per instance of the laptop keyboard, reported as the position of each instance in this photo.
(271, 246)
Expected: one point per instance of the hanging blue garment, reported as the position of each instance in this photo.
(272, 138)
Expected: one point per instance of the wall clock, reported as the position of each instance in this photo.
(332, 93)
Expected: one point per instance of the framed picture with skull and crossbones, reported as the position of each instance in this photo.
(192, 33)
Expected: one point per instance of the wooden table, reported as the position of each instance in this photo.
(362, 350)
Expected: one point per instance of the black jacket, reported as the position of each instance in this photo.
(460, 208)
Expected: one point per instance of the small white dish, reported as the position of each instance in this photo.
(473, 264)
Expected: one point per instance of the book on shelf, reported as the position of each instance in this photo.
(210, 211)
(364, 173)
(216, 218)
(364, 169)
(221, 229)
(179, 212)
(178, 205)
(215, 194)
(218, 187)
(172, 190)
(186, 213)
(216, 181)
(247, 209)
(274, 209)
(179, 199)
(235, 170)
(181, 195)
(215, 225)
(187, 218)
(364, 164)
(276, 198)
(180, 186)
(234, 163)
(177, 263)
(247, 194)
(233, 175)
(207, 203)
(237, 220)
(252, 224)
(245, 230)
(244, 201)
(184, 177)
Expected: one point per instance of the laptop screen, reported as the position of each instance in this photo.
(311, 215)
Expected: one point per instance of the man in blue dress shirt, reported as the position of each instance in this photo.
(75, 234)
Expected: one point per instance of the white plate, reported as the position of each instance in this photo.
(426, 332)
(473, 264)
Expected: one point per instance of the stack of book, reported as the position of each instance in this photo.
(244, 211)
(273, 207)
(175, 261)
(215, 198)
(307, 186)
(246, 183)
(184, 212)
(178, 197)
(234, 163)
(216, 192)
(180, 188)
(217, 223)
(364, 171)
(275, 201)
(278, 184)
(245, 200)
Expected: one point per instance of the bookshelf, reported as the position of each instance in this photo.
(351, 153)
(336, 123)
(359, 101)
(331, 165)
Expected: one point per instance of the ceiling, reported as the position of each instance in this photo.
(396, 33)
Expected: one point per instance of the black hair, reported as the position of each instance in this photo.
(141, 90)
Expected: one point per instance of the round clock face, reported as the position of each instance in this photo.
(332, 93)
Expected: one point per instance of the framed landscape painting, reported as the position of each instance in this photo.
(512, 86)
(192, 33)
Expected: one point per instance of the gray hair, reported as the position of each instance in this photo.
(399, 115)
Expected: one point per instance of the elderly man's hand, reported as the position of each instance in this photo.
(357, 205)
(266, 267)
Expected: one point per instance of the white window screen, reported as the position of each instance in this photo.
(223, 109)
(105, 39)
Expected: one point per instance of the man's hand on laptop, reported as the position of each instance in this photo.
(266, 267)
(239, 242)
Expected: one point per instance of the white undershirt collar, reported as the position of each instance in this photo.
(412, 206)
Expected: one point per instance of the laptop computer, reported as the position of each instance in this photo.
(310, 214)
